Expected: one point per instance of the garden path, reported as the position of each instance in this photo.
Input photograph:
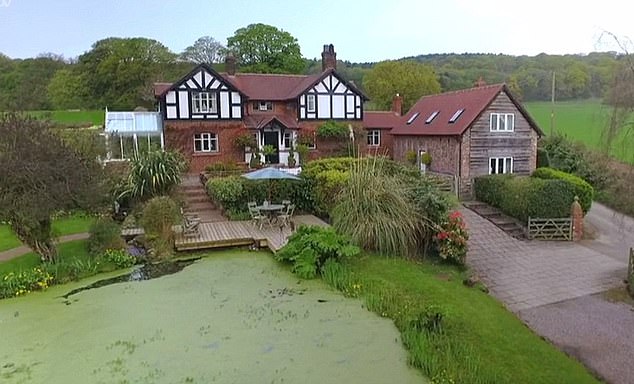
(557, 288)
(22, 250)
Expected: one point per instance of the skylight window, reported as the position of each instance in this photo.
(456, 115)
(432, 117)
(411, 119)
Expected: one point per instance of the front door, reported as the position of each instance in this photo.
(273, 139)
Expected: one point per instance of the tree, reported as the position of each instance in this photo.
(408, 78)
(205, 50)
(67, 90)
(39, 176)
(119, 72)
(262, 48)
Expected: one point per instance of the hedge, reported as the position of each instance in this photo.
(522, 197)
(583, 189)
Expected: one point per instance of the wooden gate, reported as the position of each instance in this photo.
(550, 229)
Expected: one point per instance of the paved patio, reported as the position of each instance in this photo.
(527, 274)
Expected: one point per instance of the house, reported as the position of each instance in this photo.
(378, 126)
(468, 133)
(204, 112)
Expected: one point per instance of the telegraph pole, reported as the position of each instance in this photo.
(552, 106)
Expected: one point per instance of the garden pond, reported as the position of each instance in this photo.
(231, 317)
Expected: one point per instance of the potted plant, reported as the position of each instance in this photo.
(268, 150)
(291, 156)
(255, 159)
(425, 158)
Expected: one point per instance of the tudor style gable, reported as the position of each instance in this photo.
(330, 98)
(201, 95)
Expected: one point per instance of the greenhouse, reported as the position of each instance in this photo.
(132, 133)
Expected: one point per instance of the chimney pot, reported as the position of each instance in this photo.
(397, 104)
(328, 57)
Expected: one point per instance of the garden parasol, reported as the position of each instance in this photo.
(269, 173)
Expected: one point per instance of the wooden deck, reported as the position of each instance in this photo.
(241, 233)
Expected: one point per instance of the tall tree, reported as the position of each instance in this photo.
(204, 50)
(68, 90)
(408, 78)
(39, 176)
(262, 48)
(118, 71)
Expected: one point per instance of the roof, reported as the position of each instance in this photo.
(129, 123)
(473, 102)
(259, 121)
(263, 86)
(380, 119)
(270, 86)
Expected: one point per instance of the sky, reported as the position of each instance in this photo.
(361, 31)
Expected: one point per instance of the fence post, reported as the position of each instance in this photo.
(576, 213)
(630, 273)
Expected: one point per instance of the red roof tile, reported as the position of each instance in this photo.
(270, 86)
(473, 101)
(259, 121)
(380, 119)
(160, 88)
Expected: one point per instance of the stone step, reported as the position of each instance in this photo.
(501, 220)
(197, 199)
(200, 206)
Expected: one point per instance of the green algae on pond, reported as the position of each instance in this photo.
(234, 317)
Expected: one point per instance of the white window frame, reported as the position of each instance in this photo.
(208, 142)
(287, 138)
(502, 122)
(265, 106)
(505, 162)
(374, 138)
(204, 102)
(311, 102)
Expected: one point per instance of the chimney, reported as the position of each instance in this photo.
(230, 64)
(328, 57)
(397, 104)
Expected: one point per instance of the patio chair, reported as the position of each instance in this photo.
(285, 218)
(191, 224)
(257, 217)
(286, 203)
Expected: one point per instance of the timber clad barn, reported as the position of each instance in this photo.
(205, 111)
(469, 133)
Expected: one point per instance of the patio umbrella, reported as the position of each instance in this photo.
(269, 173)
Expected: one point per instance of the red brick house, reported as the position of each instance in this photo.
(205, 111)
(469, 133)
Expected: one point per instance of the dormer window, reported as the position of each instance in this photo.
(204, 102)
(264, 106)
(310, 103)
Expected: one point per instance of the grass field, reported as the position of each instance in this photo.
(482, 342)
(61, 227)
(582, 120)
(68, 252)
(72, 117)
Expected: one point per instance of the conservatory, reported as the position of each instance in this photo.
(132, 133)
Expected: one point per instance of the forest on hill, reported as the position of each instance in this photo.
(118, 73)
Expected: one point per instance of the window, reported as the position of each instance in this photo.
(264, 106)
(500, 165)
(502, 122)
(432, 117)
(310, 103)
(411, 119)
(206, 142)
(374, 138)
(204, 102)
(456, 116)
(286, 139)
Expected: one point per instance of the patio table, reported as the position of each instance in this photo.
(270, 210)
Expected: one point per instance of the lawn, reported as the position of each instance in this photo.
(481, 341)
(582, 120)
(68, 252)
(73, 117)
(62, 226)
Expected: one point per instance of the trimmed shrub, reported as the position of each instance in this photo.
(522, 197)
(104, 234)
(542, 158)
(332, 129)
(227, 191)
(583, 189)
(328, 186)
